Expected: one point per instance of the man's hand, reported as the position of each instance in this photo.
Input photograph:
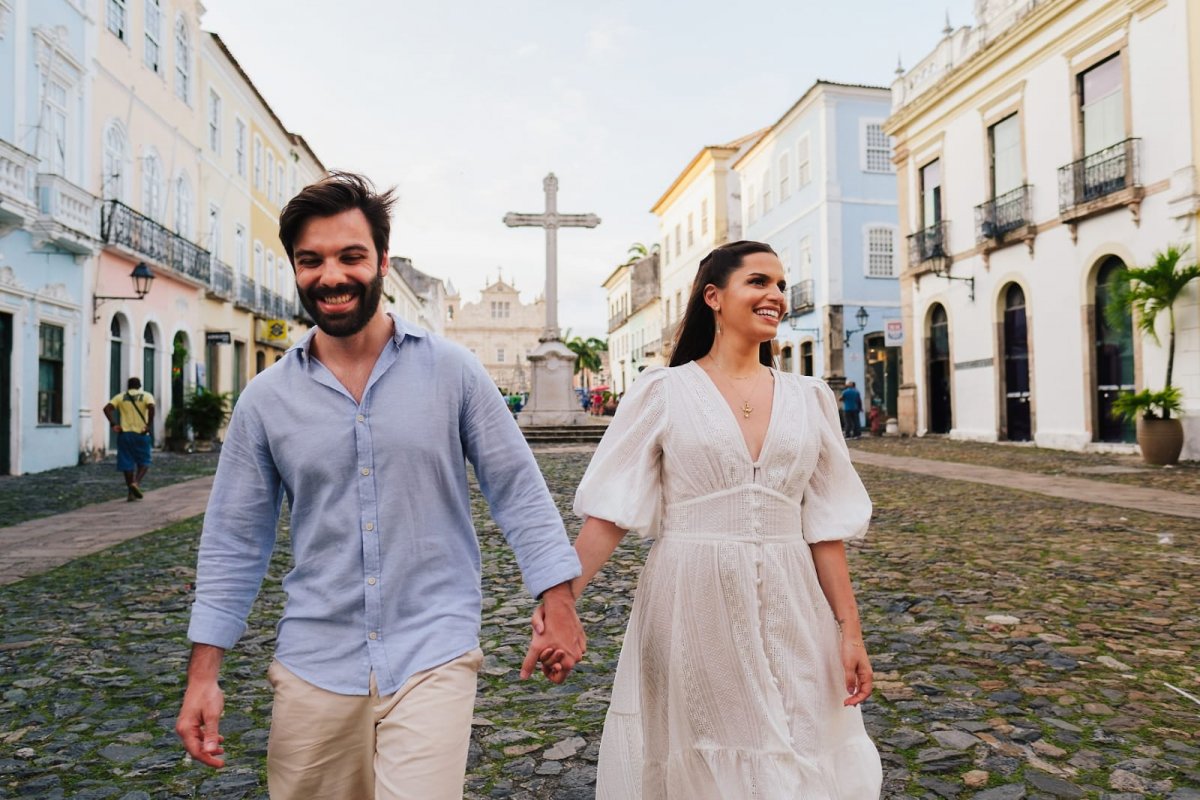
(203, 702)
(117, 429)
(559, 642)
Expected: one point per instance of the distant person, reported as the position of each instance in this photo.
(131, 416)
(852, 406)
(367, 426)
(743, 663)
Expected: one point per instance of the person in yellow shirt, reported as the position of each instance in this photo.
(131, 416)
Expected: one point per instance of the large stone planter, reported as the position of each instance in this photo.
(1161, 440)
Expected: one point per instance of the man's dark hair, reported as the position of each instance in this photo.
(134, 383)
(337, 192)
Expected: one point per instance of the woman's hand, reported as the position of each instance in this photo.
(859, 677)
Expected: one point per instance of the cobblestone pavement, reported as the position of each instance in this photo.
(1025, 647)
(1115, 467)
(41, 494)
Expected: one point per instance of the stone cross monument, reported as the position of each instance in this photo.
(552, 399)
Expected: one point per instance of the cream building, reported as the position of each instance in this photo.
(635, 320)
(431, 311)
(700, 210)
(1037, 152)
(500, 330)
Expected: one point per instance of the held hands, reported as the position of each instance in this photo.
(198, 720)
(859, 677)
(559, 642)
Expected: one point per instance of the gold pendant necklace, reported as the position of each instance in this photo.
(747, 409)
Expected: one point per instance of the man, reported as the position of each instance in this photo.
(131, 416)
(366, 426)
(852, 407)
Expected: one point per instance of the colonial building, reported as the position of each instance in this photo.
(701, 209)
(500, 330)
(818, 186)
(635, 320)
(1034, 159)
(431, 311)
(49, 232)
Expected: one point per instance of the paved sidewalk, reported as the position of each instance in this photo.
(1155, 501)
(36, 546)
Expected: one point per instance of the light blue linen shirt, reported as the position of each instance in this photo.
(387, 564)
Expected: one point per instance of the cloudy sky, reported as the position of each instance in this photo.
(465, 106)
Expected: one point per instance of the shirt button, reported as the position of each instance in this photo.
(366, 471)
(371, 581)
(370, 526)
(373, 635)
(360, 418)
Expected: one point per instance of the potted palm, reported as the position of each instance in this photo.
(1149, 292)
(206, 413)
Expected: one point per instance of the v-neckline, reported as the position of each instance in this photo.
(732, 415)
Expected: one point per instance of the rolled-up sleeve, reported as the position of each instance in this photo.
(239, 531)
(835, 505)
(513, 485)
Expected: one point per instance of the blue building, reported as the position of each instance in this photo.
(48, 232)
(819, 187)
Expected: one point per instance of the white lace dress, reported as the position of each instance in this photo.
(730, 683)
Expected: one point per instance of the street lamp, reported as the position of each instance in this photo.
(142, 279)
(861, 318)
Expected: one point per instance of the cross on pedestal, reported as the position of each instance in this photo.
(551, 220)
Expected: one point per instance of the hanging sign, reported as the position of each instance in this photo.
(893, 332)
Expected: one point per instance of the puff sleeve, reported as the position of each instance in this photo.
(835, 504)
(623, 483)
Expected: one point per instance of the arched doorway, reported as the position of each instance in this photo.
(1018, 422)
(1114, 357)
(117, 337)
(785, 359)
(150, 359)
(937, 349)
(882, 378)
(806, 358)
(179, 362)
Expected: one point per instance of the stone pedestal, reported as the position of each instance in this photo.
(552, 398)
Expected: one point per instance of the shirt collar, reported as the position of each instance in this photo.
(400, 328)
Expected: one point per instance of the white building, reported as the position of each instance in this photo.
(1036, 152)
(500, 330)
(432, 311)
(635, 320)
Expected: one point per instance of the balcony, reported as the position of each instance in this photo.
(272, 305)
(1005, 219)
(142, 237)
(247, 295)
(929, 245)
(617, 320)
(220, 284)
(18, 205)
(803, 297)
(67, 215)
(1107, 179)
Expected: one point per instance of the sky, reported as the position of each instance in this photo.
(466, 106)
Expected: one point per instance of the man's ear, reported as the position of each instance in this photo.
(384, 264)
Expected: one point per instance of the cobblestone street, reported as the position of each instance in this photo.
(1025, 646)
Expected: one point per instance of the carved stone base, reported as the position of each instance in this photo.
(552, 398)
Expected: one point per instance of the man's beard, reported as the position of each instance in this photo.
(350, 322)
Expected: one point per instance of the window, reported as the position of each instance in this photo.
(785, 176)
(931, 193)
(678, 304)
(214, 232)
(785, 359)
(258, 261)
(881, 252)
(1004, 138)
(239, 367)
(667, 315)
(501, 309)
(116, 18)
(805, 259)
(183, 206)
(806, 359)
(152, 186)
(239, 146)
(149, 358)
(691, 232)
(52, 143)
(766, 196)
(50, 375)
(113, 181)
(270, 175)
(258, 163)
(239, 250)
(153, 35)
(678, 239)
(214, 121)
(183, 61)
(1102, 105)
(751, 207)
(704, 217)
(803, 162)
(499, 355)
(279, 184)
(269, 274)
(666, 251)
(877, 148)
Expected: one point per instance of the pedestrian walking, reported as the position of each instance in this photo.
(130, 415)
(366, 426)
(852, 409)
(743, 664)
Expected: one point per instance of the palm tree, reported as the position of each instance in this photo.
(1149, 291)
(636, 252)
(587, 353)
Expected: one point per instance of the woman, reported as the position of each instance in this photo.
(744, 663)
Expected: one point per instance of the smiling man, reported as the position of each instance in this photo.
(366, 426)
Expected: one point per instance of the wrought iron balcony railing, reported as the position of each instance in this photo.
(1100, 174)
(928, 244)
(247, 294)
(121, 225)
(221, 280)
(803, 296)
(1003, 214)
(616, 320)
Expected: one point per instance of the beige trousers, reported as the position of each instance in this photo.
(411, 745)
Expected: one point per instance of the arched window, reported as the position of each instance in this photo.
(1114, 356)
(149, 358)
(184, 206)
(785, 359)
(269, 276)
(937, 353)
(114, 181)
(183, 60)
(1018, 419)
(152, 185)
